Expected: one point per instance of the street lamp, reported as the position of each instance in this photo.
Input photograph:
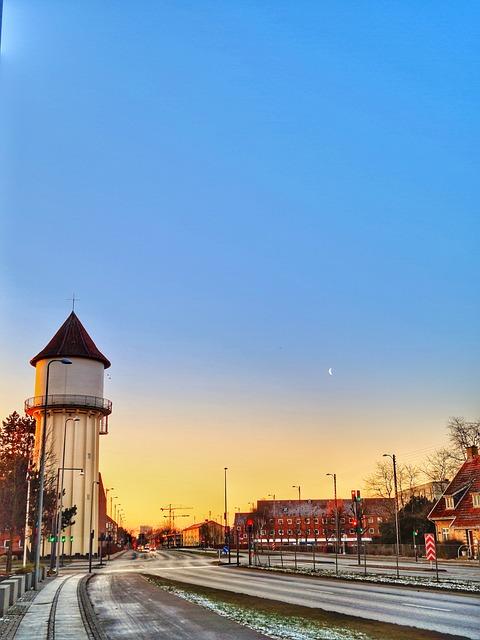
(60, 498)
(337, 534)
(106, 500)
(397, 529)
(225, 516)
(112, 498)
(59, 513)
(92, 532)
(41, 486)
(297, 486)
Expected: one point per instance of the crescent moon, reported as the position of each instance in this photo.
(330, 372)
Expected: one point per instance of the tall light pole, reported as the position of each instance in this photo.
(59, 514)
(41, 486)
(112, 498)
(225, 515)
(297, 486)
(225, 496)
(92, 532)
(106, 500)
(60, 498)
(397, 528)
(117, 504)
(337, 527)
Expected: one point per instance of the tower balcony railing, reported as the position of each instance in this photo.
(69, 400)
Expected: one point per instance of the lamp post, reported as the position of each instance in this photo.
(117, 511)
(225, 516)
(59, 514)
(106, 500)
(112, 498)
(397, 528)
(297, 486)
(60, 498)
(92, 532)
(41, 486)
(337, 527)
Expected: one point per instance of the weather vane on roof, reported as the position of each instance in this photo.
(73, 300)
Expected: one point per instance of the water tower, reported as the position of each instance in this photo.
(74, 391)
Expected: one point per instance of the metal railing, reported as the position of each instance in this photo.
(70, 400)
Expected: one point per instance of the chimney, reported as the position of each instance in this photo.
(472, 452)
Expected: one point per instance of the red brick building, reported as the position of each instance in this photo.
(286, 521)
(457, 514)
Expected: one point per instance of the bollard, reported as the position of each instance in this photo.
(13, 590)
(28, 581)
(4, 598)
(20, 578)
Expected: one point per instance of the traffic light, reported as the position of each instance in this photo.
(415, 533)
(64, 538)
(71, 538)
(250, 525)
(52, 538)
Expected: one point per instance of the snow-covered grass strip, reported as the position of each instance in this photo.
(270, 624)
(450, 584)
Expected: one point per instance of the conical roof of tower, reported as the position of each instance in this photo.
(71, 340)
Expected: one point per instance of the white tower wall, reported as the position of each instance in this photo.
(83, 377)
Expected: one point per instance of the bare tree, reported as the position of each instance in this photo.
(441, 465)
(462, 434)
(381, 484)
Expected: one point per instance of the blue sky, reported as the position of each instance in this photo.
(243, 194)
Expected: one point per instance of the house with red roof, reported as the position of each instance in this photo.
(457, 513)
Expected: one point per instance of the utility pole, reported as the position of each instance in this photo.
(397, 527)
(337, 523)
(225, 517)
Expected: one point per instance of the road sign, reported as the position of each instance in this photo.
(430, 549)
(225, 549)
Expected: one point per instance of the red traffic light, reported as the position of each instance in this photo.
(249, 522)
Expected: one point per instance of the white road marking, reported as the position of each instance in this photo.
(421, 606)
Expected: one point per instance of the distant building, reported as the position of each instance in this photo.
(145, 528)
(208, 534)
(457, 513)
(430, 490)
(307, 521)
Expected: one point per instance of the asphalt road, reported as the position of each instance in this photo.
(442, 612)
(127, 607)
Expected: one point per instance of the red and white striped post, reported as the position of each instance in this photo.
(431, 550)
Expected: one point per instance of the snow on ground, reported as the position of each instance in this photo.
(450, 584)
(271, 625)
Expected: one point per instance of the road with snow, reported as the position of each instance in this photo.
(446, 613)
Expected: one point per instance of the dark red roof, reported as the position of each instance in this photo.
(466, 482)
(71, 340)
